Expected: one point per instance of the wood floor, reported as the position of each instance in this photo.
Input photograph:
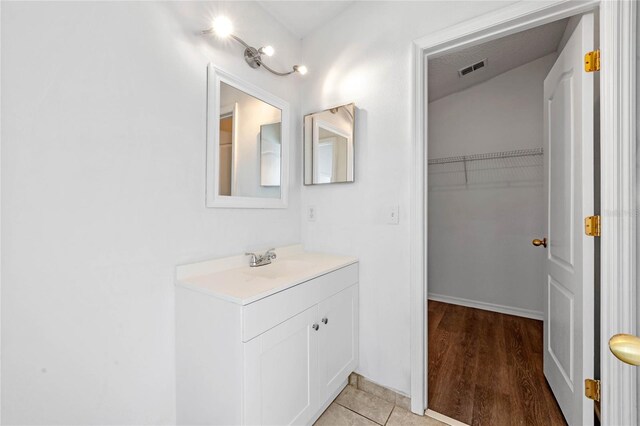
(485, 368)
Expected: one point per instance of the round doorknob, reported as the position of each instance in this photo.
(626, 348)
(536, 242)
(315, 327)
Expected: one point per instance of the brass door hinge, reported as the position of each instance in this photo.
(592, 61)
(592, 226)
(592, 389)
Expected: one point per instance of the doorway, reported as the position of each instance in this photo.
(617, 162)
(488, 163)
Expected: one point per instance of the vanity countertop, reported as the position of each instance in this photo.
(233, 280)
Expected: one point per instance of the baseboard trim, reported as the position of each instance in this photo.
(509, 310)
(444, 419)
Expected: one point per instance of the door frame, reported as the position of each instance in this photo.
(617, 23)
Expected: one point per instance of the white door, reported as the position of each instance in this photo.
(338, 347)
(569, 287)
(281, 365)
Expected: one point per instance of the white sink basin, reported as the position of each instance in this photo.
(233, 280)
(279, 269)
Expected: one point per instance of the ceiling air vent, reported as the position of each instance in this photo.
(471, 68)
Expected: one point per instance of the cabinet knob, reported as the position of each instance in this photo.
(325, 320)
(315, 327)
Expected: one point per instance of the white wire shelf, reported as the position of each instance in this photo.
(504, 166)
(488, 156)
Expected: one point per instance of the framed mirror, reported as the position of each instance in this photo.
(328, 146)
(247, 144)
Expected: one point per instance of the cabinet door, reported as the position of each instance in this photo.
(281, 379)
(338, 345)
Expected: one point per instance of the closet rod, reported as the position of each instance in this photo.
(487, 156)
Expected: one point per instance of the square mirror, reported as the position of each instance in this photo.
(328, 146)
(247, 141)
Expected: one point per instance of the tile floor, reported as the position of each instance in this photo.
(355, 407)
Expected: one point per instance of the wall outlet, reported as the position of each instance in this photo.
(393, 214)
(311, 213)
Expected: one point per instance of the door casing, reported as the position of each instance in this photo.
(617, 23)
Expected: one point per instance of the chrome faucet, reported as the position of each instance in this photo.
(261, 259)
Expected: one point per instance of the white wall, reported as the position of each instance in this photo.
(480, 233)
(103, 186)
(364, 56)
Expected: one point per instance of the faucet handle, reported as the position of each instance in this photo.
(253, 256)
(271, 253)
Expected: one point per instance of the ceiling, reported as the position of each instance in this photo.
(502, 55)
(301, 18)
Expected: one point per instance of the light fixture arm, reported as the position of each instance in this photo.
(271, 70)
(253, 56)
(239, 40)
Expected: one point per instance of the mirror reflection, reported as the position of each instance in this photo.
(329, 146)
(270, 154)
(250, 145)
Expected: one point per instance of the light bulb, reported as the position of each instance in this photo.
(268, 50)
(222, 26)
(301, 69)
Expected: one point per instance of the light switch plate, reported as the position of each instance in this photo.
(393, 214)
(311, 213)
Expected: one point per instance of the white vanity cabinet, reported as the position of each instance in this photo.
(281, 373)
(338, 342)
(274, 360)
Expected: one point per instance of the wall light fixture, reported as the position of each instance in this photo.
(223, 28)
